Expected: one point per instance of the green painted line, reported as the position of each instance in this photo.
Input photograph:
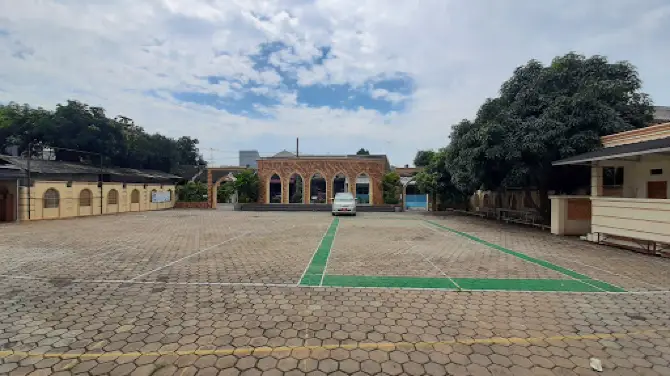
(600, 285)
(466, 284)
(317, 267)
(372, 281)
(560, 285)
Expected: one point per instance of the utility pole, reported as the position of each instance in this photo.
(297, 147)
(211, 156)
(30, 151)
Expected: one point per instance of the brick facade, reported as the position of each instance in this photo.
(306, 167)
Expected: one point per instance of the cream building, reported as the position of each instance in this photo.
(629, 192)
(44, 189)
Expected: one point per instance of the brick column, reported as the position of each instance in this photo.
(329, 190)
(285, 184)
(211, 194)
(306, 193)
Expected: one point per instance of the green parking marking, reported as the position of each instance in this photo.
(600, 285)
(373, 281)
(560, 285)
(317, 267)
(466, 284)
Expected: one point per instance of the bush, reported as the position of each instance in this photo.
(192, 192)
(247, 185)
(391, 188)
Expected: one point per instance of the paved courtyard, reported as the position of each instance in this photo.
(188, 292)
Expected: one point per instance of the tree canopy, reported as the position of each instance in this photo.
(436, 179)
(543, 114)
(83, 128)
(423, 158)
(362, 151)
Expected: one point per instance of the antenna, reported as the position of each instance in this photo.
(211, 156)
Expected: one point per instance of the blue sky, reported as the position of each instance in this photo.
(339, 74)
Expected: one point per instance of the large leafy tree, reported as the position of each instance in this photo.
(436, 179)
(546, 113)
(247, 185)
(93, 137)
(391, 188)
(423, 158)
(363, 151)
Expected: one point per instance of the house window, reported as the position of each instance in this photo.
(135, 197)
(51, 199)
(153, 192)
(656, 171)
(113, 197)
(85, 197)
(613, 177)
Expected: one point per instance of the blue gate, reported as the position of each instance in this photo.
(416, 202)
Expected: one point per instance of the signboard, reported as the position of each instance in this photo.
(160, 197)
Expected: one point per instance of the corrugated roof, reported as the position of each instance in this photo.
(627, 150)
(40, 166)
(661, 113)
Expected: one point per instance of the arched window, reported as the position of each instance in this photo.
(85, 197)
(486, 202)
(170, 194)
(135, 197)
(151, 198)
(113, 197)
(51, 199)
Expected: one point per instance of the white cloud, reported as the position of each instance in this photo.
(111, 52)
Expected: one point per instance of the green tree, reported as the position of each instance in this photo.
(545, 113)
(87, 129)
(225, 191)
(391, 188)
(423, 158)
(362, 151)
(247, 186)
(192, 192)
(436, 180)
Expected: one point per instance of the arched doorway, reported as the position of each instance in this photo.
(274, 189)
(7, 205)
(51, 204)
(135, 200)
(296, 189)
(113, 201)
(340, 184)
(317, 189)
(85, 202)
(363, 188)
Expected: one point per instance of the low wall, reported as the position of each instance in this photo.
(87, 198)
(570, 215)
(191, 205)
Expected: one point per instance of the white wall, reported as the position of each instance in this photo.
(637, 174)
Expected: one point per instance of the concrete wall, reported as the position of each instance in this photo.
(636, 175)
(634, 218)
(70, 204)
(570, 215)
(513, 200)
(632, 215)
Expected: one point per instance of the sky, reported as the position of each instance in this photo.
(390, 76)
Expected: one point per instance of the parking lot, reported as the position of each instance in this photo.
(190, 292)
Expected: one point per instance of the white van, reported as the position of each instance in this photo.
(344, 203)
